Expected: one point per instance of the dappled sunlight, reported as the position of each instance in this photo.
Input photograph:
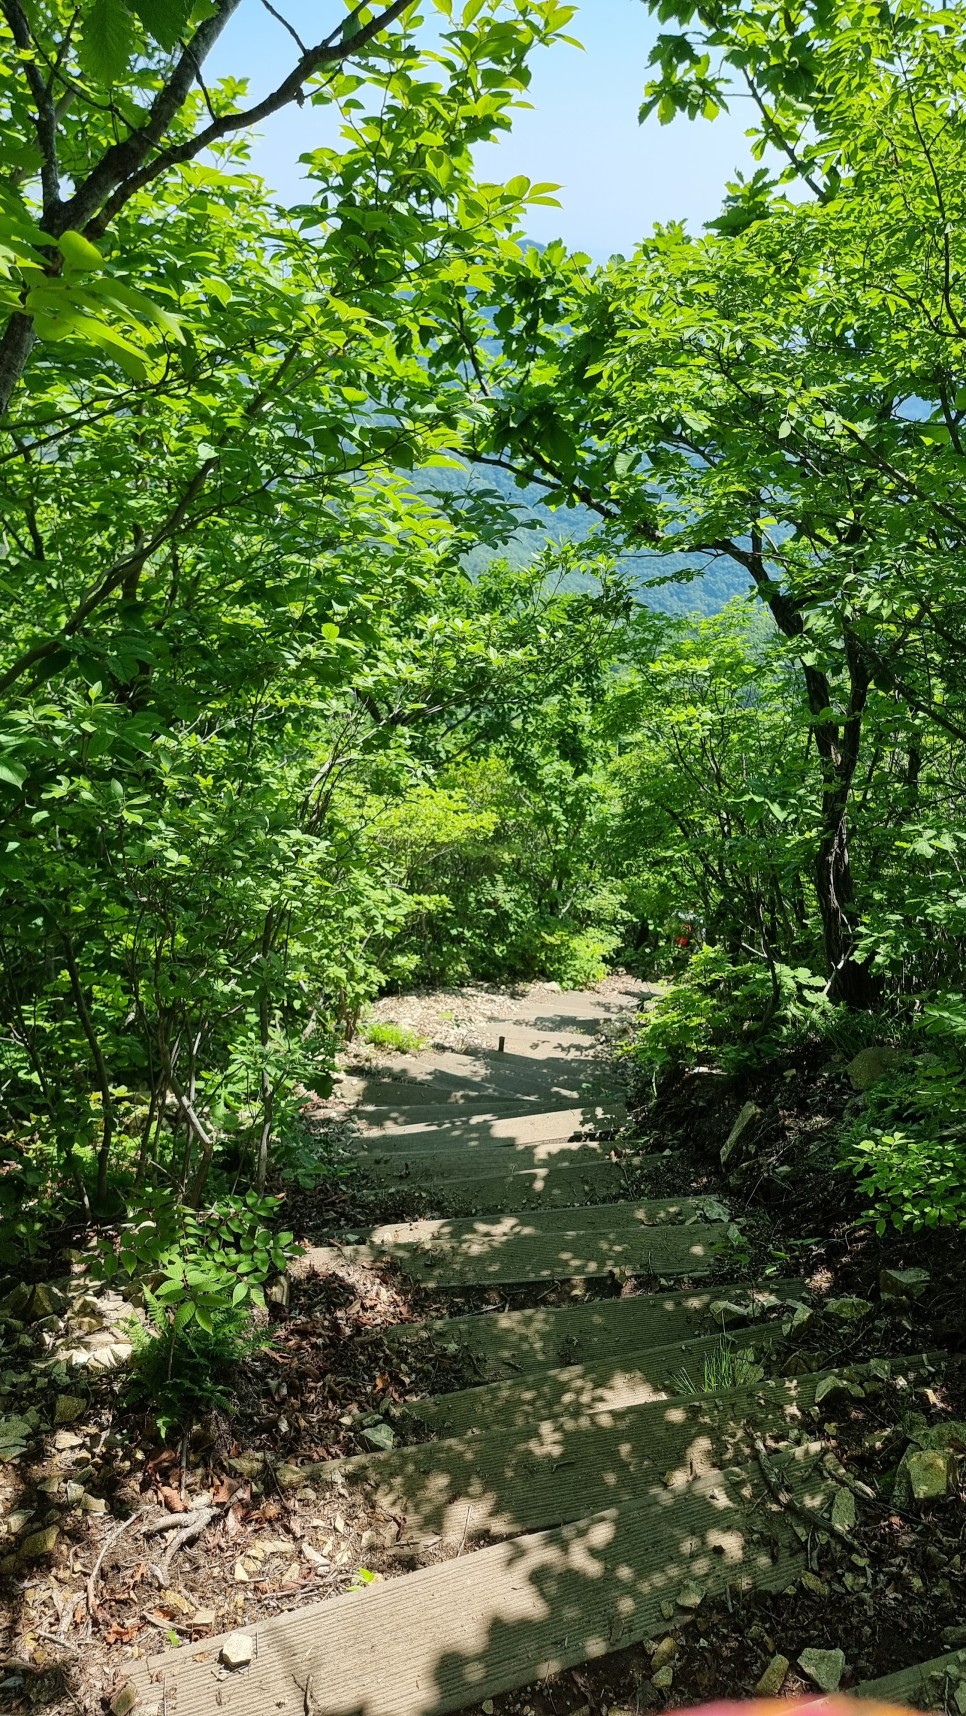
(507, 1614)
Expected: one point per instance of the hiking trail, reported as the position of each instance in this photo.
(614, 1465)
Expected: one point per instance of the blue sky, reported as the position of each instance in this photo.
(617, 178)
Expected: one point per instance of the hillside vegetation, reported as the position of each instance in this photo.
(295, 712)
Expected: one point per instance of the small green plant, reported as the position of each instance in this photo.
(200, 1263)
(724, 1367)
(740, 1015)
(180, 1368)
(908, 1151)
(393, 1037)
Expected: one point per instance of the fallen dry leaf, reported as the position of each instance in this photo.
(171, 1499)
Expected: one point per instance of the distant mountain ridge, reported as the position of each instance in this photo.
(706, 591)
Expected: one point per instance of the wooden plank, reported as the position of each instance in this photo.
(524, 1188)
(923, 1686)
(390, 1115)
(473, 1627)
(508, 1344)
(568, 1393)
(459, 1161)
(514, 1129)
(503, 1482)
(565, 1256)
(664, 1251)
(591, 1218)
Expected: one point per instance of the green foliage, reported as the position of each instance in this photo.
(725, 1367)
(739, 1015)
(386, 1036)
(180, 1370)
(199, 1261)
(908, 1150)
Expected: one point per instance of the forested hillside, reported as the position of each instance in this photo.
(295, 712)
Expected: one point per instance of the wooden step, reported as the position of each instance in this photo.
(524, 1188)
(459, 1161)
(520, 1224)
(571, 1391)
(514, 1129)
(663, 1251)
(474, 1626)
(503, 1482)
(924, 1686)
(508, 1344)
(400, 1111)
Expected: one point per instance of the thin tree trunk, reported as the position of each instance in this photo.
(107, 1105)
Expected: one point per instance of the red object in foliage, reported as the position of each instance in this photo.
(832, 1706)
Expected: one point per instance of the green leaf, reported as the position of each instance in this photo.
(78, 253)
(107, 41)
(164, 20)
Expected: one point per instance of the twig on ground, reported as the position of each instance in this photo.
(200, 1520)
(785, 1499)
(109, 1545)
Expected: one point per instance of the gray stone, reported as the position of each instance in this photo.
(93, 1504)
(738, 1134)
(47, 1301)
(773, 1678)
(903, 1283)
(871, 1065)
(67, 1407)
(39, 1542)
(926, 1474)
(663, 1678)
(238, 1650)
(848, 1309)
(824, 1667)
(124, 1700)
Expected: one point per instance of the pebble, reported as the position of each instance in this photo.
(67, 1407)
(773, 1678)
(663, 1678)
(124, 1700)
(238, 1650)
(824, 1667)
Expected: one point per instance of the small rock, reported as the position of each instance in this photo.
(843, 1509)
(75, 1493)
(848, 1309)
(93, 1504)
(278, 1292)
(487, 1707)
(690, 1596)
(40, 1542)
(903, 1283)
(124, 1700)
(66, 1439)
(68, 1407)
(379, 1436)
(773, 1678)
(663, 1678)
(238, 1650)
(47, 1301)
(824, 1667)
(18, 1300)
(928, 1473)
(664, 1652)
(871, 1065)
(204, 1618)
(746, 1119)
(950, 1436)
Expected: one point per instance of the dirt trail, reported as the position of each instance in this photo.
(607, 1471)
